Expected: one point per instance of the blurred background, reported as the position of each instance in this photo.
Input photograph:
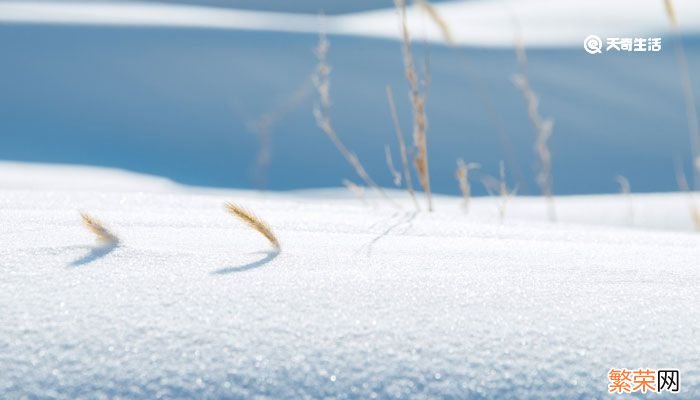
(193, 90)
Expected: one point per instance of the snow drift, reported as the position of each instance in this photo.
(364, 302)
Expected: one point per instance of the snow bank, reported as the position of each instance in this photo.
(543, 23)
(481, 23)
(365, 301)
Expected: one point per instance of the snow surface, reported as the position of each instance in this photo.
(481, 23)
(364, 301)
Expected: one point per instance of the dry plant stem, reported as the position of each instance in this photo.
(481, 91)
(438, 20)
(254, 222)
(462, 179)
(543, 129)
(418, 106)
(321, 80)
(462, 175)
(688, 96)
(355, 189)
(263, 126)
(626, 190)
(395, 175)
(692, 207)
(671, 13)
(497, 121)
(502, 190)
(104, 236)
(402, 147)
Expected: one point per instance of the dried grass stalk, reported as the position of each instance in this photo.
(688, 95)
(420, 122)
(671, 13)
(503, 190)
(264, 125)
(104, 236)
(321, 80)
(462, 175)
(355, 189)
(543, 129)
(499, 187)
(395, 175)
(254, 222)
(626, 190)
(438, 20)
(692, 206)
(402, 146)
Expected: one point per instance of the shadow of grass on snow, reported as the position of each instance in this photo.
(94, 254)
(267, 258)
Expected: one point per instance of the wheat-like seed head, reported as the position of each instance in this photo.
(254, 222)
(104, 236)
